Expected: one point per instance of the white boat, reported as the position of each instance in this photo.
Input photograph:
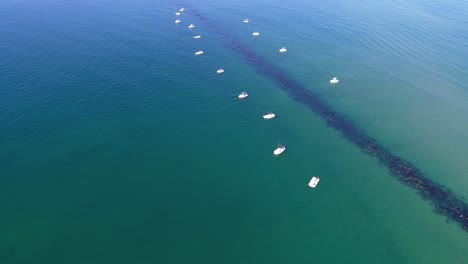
(279, 150)
(177, 14)
(177, 21)
(191, 26)
(200, 52)
(243, 95)
(197, 37)
(283, 50)
(219, 71)
(182, 9)
(270, 115)
(246, 21)
(256, 34)
(334, 80)
(314, 181)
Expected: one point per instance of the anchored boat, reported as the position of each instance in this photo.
(270, 115)
(243, 95)
(279, 150)
(314, 181)
(334, 80)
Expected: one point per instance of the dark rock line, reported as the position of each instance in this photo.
(445, 202)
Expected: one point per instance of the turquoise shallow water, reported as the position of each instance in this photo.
(118, 145)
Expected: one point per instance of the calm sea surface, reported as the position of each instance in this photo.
(119, 145)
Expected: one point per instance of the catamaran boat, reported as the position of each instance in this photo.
(270, 115)
(197, 37)
(334, 80)
(243, 95)
(279, 150)
(246, 21)
(177, 21)
(200, 52)
(256, 34)
(314, 181)
(283, 50)
(219, 71)
(177, 14)
(191, 26)
(182, 9)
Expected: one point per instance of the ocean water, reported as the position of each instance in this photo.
(119, 145)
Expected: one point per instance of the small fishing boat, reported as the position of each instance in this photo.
(314, 181)
(219, 71)
(256, 34)
(334, 80)
(182, 9)
(177, 14)
(191, 26)
(280, 149)
(270, 115)
(243, 95)
(200, 52)
(197, 37)
(177, 21)
(246, 21)
(283, 50)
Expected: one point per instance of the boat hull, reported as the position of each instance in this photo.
(278, 151)
(314, 181)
